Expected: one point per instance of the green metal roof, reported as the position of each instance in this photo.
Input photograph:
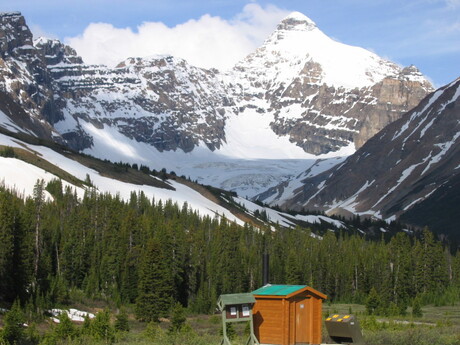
(278, 290)
(236, 298)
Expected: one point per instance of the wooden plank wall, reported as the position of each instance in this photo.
(275, 320)
(316, 321)
(269, 328)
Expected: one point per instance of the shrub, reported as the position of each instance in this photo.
(121, 322)
(101, 329)
(178, 318)
(416, 308)
(13, 331)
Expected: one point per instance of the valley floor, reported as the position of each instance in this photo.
(437, 326)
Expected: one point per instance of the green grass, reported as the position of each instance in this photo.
(437, 326)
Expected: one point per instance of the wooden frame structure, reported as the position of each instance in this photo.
(288, 314)
(237, 308)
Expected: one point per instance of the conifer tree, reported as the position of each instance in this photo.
(293, 271)
(417, 307)
(39, 200)
(14, 320)
(155, 285)
(86, 327)
(373, 301)
(13, 277)
(65, 329)
(178, 318)
(101, 328)
(121, 321)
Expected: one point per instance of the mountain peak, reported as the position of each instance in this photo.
(10, 14)
(297, 21)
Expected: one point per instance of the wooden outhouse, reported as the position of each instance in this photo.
(288, 314)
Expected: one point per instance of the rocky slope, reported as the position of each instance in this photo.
(300, 95)
(323, 94)
(25, 90)
(410, 169)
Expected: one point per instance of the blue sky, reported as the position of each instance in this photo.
(425, 33)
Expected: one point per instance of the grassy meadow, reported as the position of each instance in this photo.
(439, 325)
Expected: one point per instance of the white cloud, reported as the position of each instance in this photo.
(207, 42)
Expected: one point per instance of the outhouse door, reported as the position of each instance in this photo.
(301, 321)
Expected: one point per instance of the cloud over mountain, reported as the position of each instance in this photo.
(209, 41)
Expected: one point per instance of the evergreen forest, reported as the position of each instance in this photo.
(156, 255)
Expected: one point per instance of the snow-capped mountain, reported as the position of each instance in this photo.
(410, 170)
(300, 96)
(325, 95)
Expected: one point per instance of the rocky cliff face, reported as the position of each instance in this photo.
(411, 161)
(161, 101)
(24, 77)
(322, 95)
(171, 105)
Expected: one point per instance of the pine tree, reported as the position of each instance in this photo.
(373, 301)
(14, 320)
(417, 307)
(86, 327)
(178, 318)
(9, 229)
(65, 329)
(155, 284)
(39, 200)
(293, 271)
(393, 309)
(121, 321)
(101, 328)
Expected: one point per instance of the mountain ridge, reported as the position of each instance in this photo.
(408, 163)
(146, 108)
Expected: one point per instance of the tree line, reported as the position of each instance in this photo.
(154, 254)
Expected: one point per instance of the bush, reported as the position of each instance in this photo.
(416, 308)
(373, 302)
(121, 322)
(13, 331)
(178, 318)
(65, 329)
(153, 331)
(231, 333)
(412, 336)
(101, 329)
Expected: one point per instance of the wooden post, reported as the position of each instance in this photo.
(225, 340)
(237, 308)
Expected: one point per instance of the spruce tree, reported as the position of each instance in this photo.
(155, 285)
(65, 329)
(178, 318)
(14, 320)
(101, 328)
(39, 200)
(15, 253)
(293, 271)
(417, 307)
(121, 321)
(372, 301)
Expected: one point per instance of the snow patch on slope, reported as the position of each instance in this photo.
(249, 136)
(12, 167)
(298, 40)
